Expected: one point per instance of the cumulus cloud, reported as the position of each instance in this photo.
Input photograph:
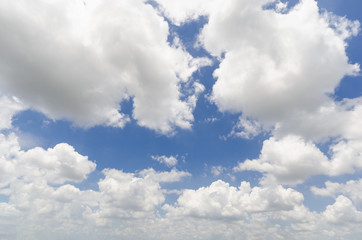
(291, 71)
(41, 200)
(334, 119)
(220, 200)
(54, 165)
(168, 161)
(126, 195)
(346, 157)
(342, 212)
(276, 64)
(37, 184)
(292, 160)
(78, 60)
(352, 189)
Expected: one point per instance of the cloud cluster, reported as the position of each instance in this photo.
(42, 200)
(39, 186)
(78, 60)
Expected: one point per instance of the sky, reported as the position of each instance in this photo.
(193, 119)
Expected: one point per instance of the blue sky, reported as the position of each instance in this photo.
(180, 119)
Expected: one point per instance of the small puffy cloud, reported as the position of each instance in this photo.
(168, 161)
(78, 60)
(54, 165)
(57, 165)
(352, 189)
(220, 200)
(290, 160)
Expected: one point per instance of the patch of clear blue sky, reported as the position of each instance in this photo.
(131, 148)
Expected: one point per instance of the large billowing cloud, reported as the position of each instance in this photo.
(276, 63)
(79, 60)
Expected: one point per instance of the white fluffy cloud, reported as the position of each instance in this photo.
(343, 212)
(289, 160)
(54, 165)
(352, 189)
(334, 119)
(271, 67)
(292, 160)
(220, 200)
(277, 65)
(346, 157)
(125, 195)
(40, 197)
(78, 60)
